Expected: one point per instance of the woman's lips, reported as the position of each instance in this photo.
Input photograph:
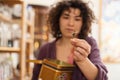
(70, 30)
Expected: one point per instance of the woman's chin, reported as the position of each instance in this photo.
(68, 37)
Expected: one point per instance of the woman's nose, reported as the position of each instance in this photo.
(71, 22)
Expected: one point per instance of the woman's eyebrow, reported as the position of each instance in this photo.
(66, 14)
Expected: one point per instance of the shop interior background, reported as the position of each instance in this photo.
(106, 31)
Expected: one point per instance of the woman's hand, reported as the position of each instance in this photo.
(81, 49)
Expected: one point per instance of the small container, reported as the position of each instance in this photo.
(56, 70)
(10, 43)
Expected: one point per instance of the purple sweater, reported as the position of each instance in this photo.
(49, 51)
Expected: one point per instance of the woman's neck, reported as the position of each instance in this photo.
(64, 42)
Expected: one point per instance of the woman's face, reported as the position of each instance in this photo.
(70, 22)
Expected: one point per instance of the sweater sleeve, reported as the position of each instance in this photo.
(37, 67)
(96, 60)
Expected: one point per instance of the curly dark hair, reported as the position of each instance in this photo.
(57, 10)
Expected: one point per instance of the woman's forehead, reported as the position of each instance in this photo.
(74, 11)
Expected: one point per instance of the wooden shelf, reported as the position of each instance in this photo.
(46, 3)
(35, 61)
(9, 49)
(29, 40)
(29, 24)
(5, 19)
(27, 45)
(38, 36)
(18, 21)
(13, 1)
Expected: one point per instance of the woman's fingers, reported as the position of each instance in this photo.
(81, 49)
(82, 44)
(78, 57)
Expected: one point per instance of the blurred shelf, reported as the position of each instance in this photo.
(46, 3)
(9, 49)
(30, 24)
(12, 2)
(35, 61)
(29, 40)
(5, 19)
(38, 36)
(27, 27)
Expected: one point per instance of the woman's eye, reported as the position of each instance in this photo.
(78, 19)
(65, 17)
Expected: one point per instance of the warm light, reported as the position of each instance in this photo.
(44, 37)
(36, 44)
(45, 28)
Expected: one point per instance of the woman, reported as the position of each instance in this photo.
(70, 23)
